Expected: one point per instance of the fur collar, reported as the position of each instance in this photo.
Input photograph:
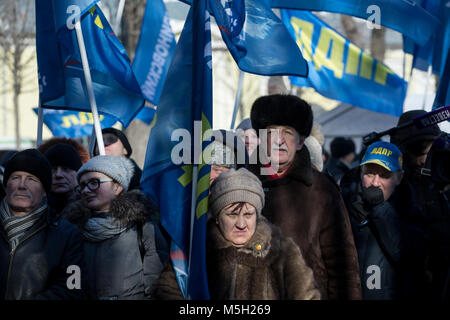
(264, 245)
(128, 208)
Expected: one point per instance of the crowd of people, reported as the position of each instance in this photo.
(285, 219)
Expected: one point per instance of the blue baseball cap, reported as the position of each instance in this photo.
(384, 154)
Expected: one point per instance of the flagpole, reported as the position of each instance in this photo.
(92, 142)
(40, 124)
(238, 98)
(193, 207)
(90, 90)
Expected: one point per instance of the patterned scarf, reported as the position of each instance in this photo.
(14, 226)
(99, 228)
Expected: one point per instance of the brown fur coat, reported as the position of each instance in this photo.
(276, 271)
(308, 207)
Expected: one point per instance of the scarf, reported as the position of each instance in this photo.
(99, 228)
(14, 226)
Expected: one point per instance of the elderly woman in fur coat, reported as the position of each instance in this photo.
(247, 257)
(124, 250)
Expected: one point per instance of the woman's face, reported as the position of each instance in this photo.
(100, 198)
(237, 223)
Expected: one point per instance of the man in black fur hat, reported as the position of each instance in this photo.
(303, 202)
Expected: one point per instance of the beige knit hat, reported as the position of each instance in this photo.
(236, 186)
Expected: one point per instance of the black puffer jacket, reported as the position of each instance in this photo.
(391, 245)
(115, 268)
(38, 268)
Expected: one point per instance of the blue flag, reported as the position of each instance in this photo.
(73, 124)
(423, 55)
(61, 77)
(169, 170)
(154, 50)
(256, 38)
(404, 16)
(147, 114)
(340, 70)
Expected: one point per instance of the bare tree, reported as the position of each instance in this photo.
(351, 30)
(131, 24)
(16, 34)
(137, 132)
(378, 43)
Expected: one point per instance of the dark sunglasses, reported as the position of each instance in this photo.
(109, 139)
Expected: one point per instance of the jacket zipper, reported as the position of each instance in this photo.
(12, 257)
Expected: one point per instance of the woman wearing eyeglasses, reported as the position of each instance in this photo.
(124, 250)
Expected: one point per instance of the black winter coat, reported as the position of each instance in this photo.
(38, 268)
(336, 168)
(391, 244)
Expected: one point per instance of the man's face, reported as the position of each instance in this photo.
(216, 171)
(113, 146)
(416, 155)
(282, 144)
(63, 179)
(377, 176)
(24, 193)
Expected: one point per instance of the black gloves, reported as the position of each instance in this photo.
(367, 199)
(372, 196)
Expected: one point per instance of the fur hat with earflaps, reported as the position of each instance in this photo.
(282, 110)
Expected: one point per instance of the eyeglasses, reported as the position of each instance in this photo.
(92, 184)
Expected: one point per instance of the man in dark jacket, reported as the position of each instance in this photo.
(116, 144)
(415, 145)
(303, 202)
(387, 230)
(65, 162)
(40, 257)
(342, 156)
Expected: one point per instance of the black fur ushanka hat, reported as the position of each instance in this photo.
(282, 110)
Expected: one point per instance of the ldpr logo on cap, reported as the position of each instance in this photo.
(384, 154)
